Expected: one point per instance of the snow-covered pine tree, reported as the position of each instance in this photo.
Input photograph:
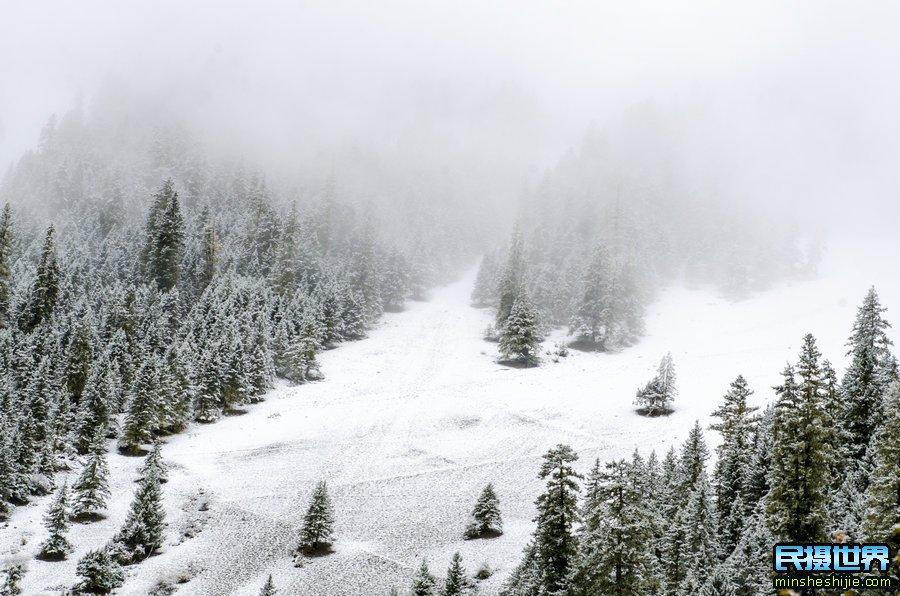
(658, 395)
(589, 323)
(484, 292)
(750, 564)
(6, 246)
(485, 520)
(424, 584)
(11, 585)
(520, 336)
(268, 588)
(698, 526)
(882, 502)
(142, 533)
(78, 358)
(164, 240)
(867, 377)
(155, 464)
(143, 407)
(800, 455)
(91, 490)
(318, 523)
(56, 547)
(737, 425)
(456, 583)
(691, 462)
(45, 290)
(557, 513)
(512, 279)
(95, 407)
(100, 573)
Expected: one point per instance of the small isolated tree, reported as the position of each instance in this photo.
(486, 519)
(155, 462)
(318, 524)
(11, 587)
(268, 588)
(99, 572)
(57, 547)
(657, 396)
(142, 533)
(424, 584)
(520, 335)
(456, 584)
(92, 487)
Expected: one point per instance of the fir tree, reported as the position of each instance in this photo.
(11, 586)
(99, 572)
(268, 588)
(95, 407)
(512, 280)
(486, 519)
(56, 547)
(657, 396)
(154, 463)
(45, 290)
(750, 564)
(557, 514)
(164, 242)
(698, 526)
(691, 462)
(6, 245)
(424, 584)
(520, 335)
(589, 322)
(456, 583)
(883, 495)
(800, 457)
(142, 533)
(318, 523)
(79, 356)
(141, 419)
(867, 378)
(92, 487)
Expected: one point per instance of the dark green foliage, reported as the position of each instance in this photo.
(92, 487)
(456, 583)
(557, 514)
(141, 420)
(45, 289)
(164, 239)
(486, 519)
(318, 523)
(142, 533)
(100, 573)
(56, 547)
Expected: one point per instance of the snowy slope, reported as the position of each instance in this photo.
(412, 422)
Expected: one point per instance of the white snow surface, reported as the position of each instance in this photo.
(411, 423)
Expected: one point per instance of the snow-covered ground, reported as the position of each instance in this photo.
(412, 422)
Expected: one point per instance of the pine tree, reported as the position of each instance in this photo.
(800, 455)
(750, 565)
(318, 523)
(95, 407)
(45, 290)
(883, 496)
(6, 245)
(164, 242)
(589, 323)
(141, 419)
(737, 425)
(154, 463)
(142, 533)
(99, 572)
(268, 588)
(424, 584)
(456, 584)
(11, 586)
(79, 356)
(657, 396)
(557, 514)
(520, 336)
(614, 542)
(56, 547)
(512, 280)
(698, 525)
(691, 462)
(92, 487)
(867, 378)
(486, 519)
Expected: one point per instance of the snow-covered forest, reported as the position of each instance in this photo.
(518, 299)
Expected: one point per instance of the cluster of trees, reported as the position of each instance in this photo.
(822, 464)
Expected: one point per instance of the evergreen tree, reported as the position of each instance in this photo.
(512, 280)
(95, 407)
(615, 538)
(800, 454)
(557, 514)
(883, 495)
(750, 565)
(6, 245)
(737, 425)
(141, 419)
(45, 290)
(142, 533)
(589, 323)
(318, 523)
(268, 588)
(485, 515)
(698, 526)
(99, 572)
(164, 241)
(92, 487)
(456, 584)
(11, 586)
(79, 356)
(865, 383)
(424, 584)
(520, 335)
(56, 547)
(154, 463)
(691, 462)
(657, 396)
